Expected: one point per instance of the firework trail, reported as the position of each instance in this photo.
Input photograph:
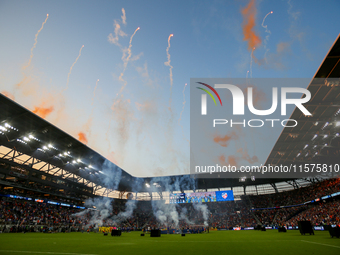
(266, 29)
(94, 92)
(35, 43)
(167, 63)
(117, 100)
(267, 36)
(126, 61)
(69, 73)
(180, 116)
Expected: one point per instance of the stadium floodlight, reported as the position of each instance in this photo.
(50, 145)
(26, 139)
(3, 128)
(74, 162)
(7, 125)
(90, 166)
(78, 160)
(60, 155)
(45, 147)
(147, 185)
(65, 153)
(242, 179)
(326, 124)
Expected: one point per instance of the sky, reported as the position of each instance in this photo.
(124, 91)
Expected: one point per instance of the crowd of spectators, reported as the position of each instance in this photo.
(296, 196)
(324, 213)
(20, 212)
(221, 215)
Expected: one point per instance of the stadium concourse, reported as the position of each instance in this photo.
(50, 182)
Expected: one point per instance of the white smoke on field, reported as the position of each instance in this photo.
(166, 215)
(130, 205)
(103, 210)
(80, 214)
(203, 208)
(184, 216)
(110, 175)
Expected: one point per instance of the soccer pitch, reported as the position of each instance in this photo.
(218, 242)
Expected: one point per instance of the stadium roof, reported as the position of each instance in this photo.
(316, 138)
(27, 133)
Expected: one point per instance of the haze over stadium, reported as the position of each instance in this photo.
(96, 128)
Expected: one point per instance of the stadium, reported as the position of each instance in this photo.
(60, 195)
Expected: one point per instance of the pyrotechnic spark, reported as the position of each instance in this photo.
(126, 61)
(167, 63)
(69, 73)
(266, 29)
(35, 43)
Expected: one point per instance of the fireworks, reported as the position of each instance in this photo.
(69, 73)
(35, 43)
(167, 63)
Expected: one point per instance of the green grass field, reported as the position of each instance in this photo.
(218, 242)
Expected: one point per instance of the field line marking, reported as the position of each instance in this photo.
(46, 252)
(322, 244)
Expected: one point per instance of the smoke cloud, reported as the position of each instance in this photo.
(249, 14)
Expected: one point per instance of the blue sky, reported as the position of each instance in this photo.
(135, 128)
